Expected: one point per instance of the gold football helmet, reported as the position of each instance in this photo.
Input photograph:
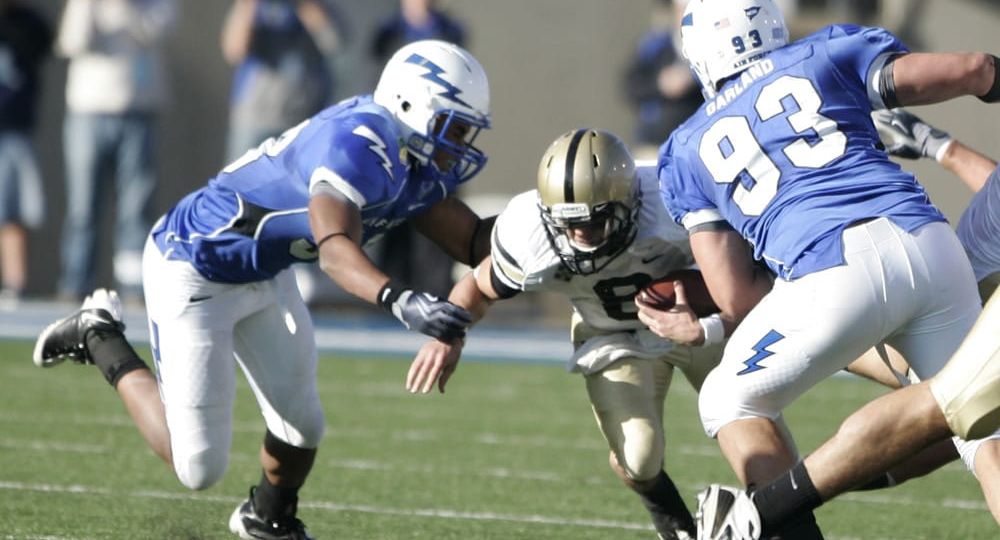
(589, 198)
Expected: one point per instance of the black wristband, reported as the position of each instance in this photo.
(389, 293)
(993, 95)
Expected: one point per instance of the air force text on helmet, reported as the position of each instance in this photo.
(748, 77)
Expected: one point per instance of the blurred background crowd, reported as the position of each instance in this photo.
(111, 110)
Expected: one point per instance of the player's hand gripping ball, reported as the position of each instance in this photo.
(660, 293)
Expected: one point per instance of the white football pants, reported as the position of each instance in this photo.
(197, 328)
(915, 291)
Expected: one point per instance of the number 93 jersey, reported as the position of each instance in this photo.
(251, 221)
(524, 259)
(786, 153)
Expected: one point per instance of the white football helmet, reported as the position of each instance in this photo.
(440, 97)
(722, 37)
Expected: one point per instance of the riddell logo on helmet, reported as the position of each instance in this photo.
(433, 74)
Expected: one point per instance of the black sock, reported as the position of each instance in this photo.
(667, 508)
(786, 498)
(884, 481)
(798, 527)
(112, 354)
(274, 502)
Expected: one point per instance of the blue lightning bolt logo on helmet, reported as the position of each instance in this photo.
(433, 74)
(439, 96)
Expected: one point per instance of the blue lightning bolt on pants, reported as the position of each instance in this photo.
(915, 291)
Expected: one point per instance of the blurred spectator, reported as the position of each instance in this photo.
(114, 90)
(25, 41)
(416, 20)
(861, 12)
(658, 81)
(407, 255)
(284, 52)
(903, 17)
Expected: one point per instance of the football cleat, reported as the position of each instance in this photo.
(249, 525)
(726, 513)
(67, 337)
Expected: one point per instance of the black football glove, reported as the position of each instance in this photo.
(907, 136)
(425, 312)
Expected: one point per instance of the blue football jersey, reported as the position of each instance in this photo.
(788, 155)
(251, 221)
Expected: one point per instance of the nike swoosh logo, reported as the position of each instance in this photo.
(196, 299)
(647, 260)
(901, 126)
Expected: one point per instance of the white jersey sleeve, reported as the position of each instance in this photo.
(520, 247)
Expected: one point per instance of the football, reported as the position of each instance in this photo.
(659, 293)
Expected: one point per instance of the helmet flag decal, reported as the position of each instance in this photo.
(434, 75)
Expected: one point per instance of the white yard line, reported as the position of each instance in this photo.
(443, 513)
(437, 513)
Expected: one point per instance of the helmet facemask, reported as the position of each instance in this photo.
(448, 146)
(588, 238)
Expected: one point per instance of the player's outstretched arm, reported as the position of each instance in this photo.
(925, 78)
(437, 359)
(907, 136)
(336, 228)
(968, 164)
(459, 231)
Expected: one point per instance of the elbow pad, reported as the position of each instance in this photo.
(887, 86)
(993, 95)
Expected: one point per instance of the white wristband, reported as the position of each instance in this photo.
(942, 149)
(715, 331)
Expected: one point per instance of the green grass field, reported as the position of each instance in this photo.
(511, 451)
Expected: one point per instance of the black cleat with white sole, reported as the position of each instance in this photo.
(67, 337)
(726, 513)
(249, 525)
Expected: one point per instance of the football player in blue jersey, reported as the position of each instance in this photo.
(783, 156)
(218, 286)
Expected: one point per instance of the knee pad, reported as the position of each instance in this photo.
(304, 431)
(201, 470)
(714, 407)
(641, 454)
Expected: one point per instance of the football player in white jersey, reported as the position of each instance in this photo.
(218, 285)
(783, 155)
(596, 232)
